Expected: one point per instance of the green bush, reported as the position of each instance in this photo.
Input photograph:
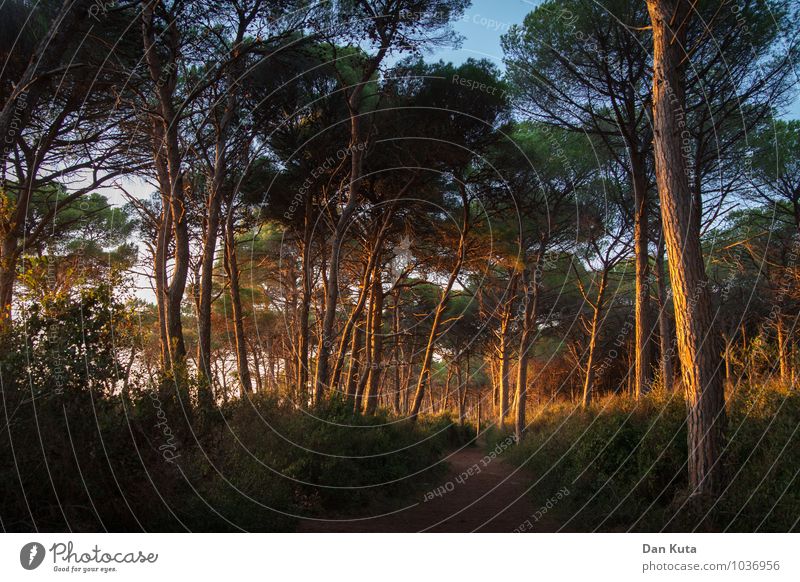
(84, 451)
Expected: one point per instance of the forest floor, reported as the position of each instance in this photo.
(495, 499)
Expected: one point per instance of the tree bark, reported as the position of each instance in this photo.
(365, 288)
(425, 370)
(356, 347)
(213, 206)
(697, 344)
(504, 384)
(168, 162)
(643, 371)
(664, 326)
(594, 332)
(375, 370)
(232, 271)
(528, 329)
(505, 360)
(783, 353)
(305, 306)
(396, 351)
(332, 295)
(366, 366)
(8, 276)
(207, 290)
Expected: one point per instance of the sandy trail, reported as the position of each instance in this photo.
(486, 501)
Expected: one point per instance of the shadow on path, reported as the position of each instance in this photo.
(492, 500)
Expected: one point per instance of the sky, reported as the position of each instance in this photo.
(482, 26)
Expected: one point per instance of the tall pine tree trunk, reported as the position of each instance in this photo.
(505, 361)
(697, 344)
(643, 372)
(375, 371)
(528, 330)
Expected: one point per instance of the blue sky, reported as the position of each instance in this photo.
(482, 26)
(485, 22)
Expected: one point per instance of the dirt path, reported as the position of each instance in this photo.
(485, 501)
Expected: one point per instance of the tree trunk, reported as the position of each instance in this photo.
(232, 270)
(697, 344)
(424, 373)
(305, 306)
(728, 371)
(356, 347)
(367, 364)
(303, 333)
(364, 292)
(376, 332)
(643, 371)
(160, 272)
(664, 327)
(8, 276)
(332, 295)
(180, 272)
(213, 205)
(528, 324)
(207, 292)
(783, 353)
(396, 351)
(462, 393)
(505, 352)
(446, 396)
(168, 164)
(588, 383)
(503, 384)
(371, 274)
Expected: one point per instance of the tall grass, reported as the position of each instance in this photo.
(624, 463)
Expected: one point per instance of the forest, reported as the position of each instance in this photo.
(270, 265)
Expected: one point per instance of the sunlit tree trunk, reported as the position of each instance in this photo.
(356, 347)
(783, 352)
(366, 365)
(363, 294)
(376, 369)
(501, 380)
(371, 273)
(664, 325)
(728, 348)
(354, 196)
(594, 332)
(505, 363)
(531, 287)
(697, 344)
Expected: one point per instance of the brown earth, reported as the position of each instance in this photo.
(492, 500)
